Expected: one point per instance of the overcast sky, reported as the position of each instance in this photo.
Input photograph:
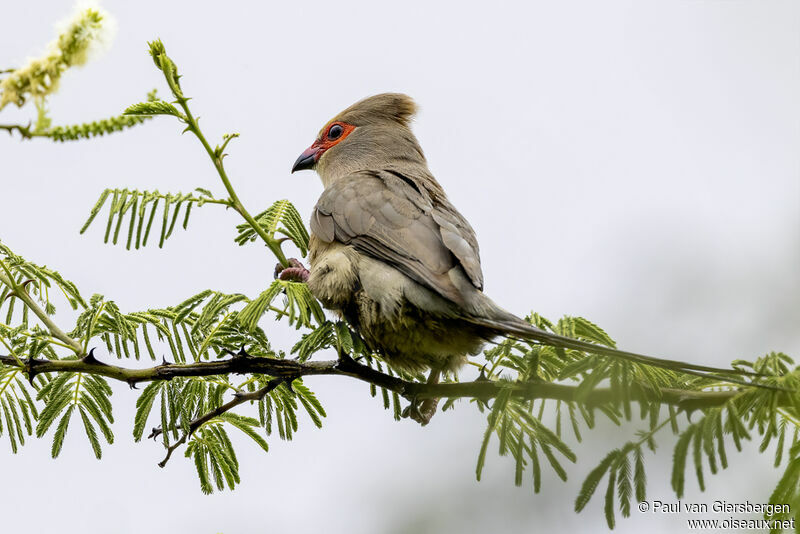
(634, 162)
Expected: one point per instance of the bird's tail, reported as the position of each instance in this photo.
(504, 323)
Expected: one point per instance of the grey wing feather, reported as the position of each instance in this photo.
(383, 216)
(459, 237)
(322, 226)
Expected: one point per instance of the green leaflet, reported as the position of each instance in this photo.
(299, 305)
(280, 218)
(90, 395)
(140, 208)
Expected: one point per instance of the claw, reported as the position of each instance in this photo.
(296, 272)
(421, 412)
(424, 411)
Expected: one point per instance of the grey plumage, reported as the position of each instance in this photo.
(391, 254)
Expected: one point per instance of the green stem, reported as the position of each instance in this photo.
(21, 294)
(52, 340)
(90, 327)
(655, 429)
(273, 244)
(13, 352)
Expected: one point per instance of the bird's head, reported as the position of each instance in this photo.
(370, 134)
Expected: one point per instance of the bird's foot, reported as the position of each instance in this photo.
(421, 412)
(296, 272)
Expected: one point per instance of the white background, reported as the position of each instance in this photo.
(633, 162)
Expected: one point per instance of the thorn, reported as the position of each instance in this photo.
(25, 284)
(164, 361)
(344, 360)
(131, 383)
(242, 353)
(29, 363)
(289, 380)
(482, 376)
(90, 358)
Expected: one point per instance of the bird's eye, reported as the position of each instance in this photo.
(335, 132)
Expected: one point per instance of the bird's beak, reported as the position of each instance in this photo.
(308, 158)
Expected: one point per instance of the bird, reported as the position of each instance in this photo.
(390, 254)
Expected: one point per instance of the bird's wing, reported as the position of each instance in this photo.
(390, 217)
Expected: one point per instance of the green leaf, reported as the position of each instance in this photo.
(255, 309)
(91, 433)
(639, 477)
(500, 403)
(144, 405)
(624, 488)
(609, 500)
(248, 426)
(280, 218)
(61, 431)
(679, 460)
(593, 480)
(156, 107)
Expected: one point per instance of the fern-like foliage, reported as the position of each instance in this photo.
(518, 423)
(280, 218)
(299, 305)
(140, 208)
(624, 481)
(203, 327)
(87, 130)
(88, 395)
(19, 411)
(523, 435)
(38, 280)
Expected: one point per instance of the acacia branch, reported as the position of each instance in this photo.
(239, 398)
(217, 155)
(18, 290)
(285, 369)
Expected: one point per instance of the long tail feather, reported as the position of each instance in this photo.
(513, 326)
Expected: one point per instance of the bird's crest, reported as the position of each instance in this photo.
(395, 107)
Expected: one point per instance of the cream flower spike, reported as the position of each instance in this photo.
(87, 33)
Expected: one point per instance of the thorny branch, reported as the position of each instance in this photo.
(287, 369)
(24, 131)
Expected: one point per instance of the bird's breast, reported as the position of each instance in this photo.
(333, 277)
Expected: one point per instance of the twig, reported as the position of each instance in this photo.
(22, 294)
(239, 398)
(24, 131)
(217, 157)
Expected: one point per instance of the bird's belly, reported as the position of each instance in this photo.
(413, 328)
(412, 339)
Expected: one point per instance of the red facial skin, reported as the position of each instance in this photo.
(325, 142)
